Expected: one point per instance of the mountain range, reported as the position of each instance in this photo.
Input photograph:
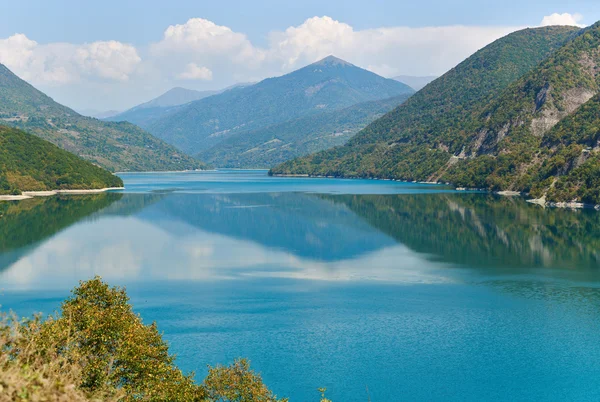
(519, 115)
(260, 125)
(268, 146)
(115, 146)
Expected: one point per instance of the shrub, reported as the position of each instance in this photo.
(97, 348)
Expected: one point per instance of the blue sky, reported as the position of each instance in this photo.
(137, 21)
(118, 50)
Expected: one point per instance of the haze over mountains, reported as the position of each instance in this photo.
(114, 146)
(146, 113)
(416, 83)
(521, 114)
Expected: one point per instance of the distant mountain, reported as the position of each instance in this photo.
(98, 114)
(114, 146)
(266, 147)
(28, 163)
(507, 118)
(414, 82)
(176, 96)
(330, 84)
(145, 114)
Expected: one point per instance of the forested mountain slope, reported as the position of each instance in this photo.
(269, 146)
(330, 84)
(114, 146)
(30, 163)
(484, 123)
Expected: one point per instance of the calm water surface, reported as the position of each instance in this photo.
(412, 291)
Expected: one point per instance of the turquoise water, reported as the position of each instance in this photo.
(380, 290)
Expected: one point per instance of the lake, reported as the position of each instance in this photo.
(376, 290)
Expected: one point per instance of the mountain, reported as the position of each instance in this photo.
(30, 163)
(145, 114)
(541, 135)
(266, 147)
(330, 84)
(114, 146)
(416, 83)
(487, 123)
(176, 96)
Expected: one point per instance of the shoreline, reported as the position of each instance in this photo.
(506, 193)
(25, 195)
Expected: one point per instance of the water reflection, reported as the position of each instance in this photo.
(513, 312)
(400, 238)
(484, 231)
(29, 222)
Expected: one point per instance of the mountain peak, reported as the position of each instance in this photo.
(332, 61)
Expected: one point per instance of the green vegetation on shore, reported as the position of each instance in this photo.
(97, 348)
(520, 114)
(28, 163)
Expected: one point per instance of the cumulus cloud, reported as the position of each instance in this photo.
(112, 59)
(387, 51)
(202, 51)
(195, 72)
(563, 19)
(393, 50)
(63, 63)
(207, 40)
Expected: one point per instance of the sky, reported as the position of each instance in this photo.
(112, 55)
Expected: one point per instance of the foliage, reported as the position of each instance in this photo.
(97, 348)
(114, 146)
(100, 333)
(330, 84)
(31, 373)
(268, 146)
(30, 163)
(237, 383)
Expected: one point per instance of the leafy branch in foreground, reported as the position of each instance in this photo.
(97, 348)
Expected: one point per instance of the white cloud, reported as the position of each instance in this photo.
(205, 39)
(563, 19)
(63, 63)
(112, 59)
(393, 50)
(194, 72)
(388, 51)
(202, 51)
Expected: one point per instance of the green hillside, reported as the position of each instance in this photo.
(537, 137)
(486, 122)
(114, 146)
(330, 84)
(267, 147)
(30, 163)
